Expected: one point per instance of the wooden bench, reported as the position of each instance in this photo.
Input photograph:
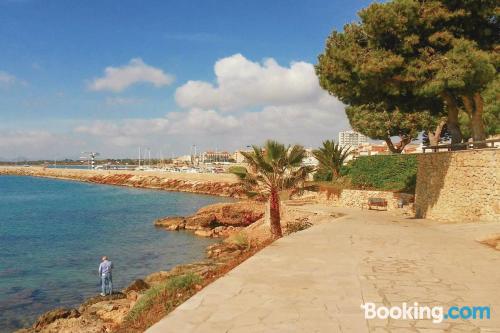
(377, 202)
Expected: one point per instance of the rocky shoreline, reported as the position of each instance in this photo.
(243, 231)
(109, 314)
(217, 220)
(226, 185)
(241, 226)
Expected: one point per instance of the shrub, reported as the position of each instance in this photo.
(323, 175)
(385, 172)
(165, 292)
(237, 170)
(241, 240)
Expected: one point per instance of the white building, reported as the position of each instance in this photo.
(352, 139)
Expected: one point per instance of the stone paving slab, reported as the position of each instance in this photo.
(316, 280)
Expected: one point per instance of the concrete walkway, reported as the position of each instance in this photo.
(316, 280)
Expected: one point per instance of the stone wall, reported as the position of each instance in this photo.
(359, 198)
(459, 186)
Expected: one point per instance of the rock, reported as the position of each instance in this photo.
(171, 223)
(51, 316)
(96, 299)
(219, 230)
(201, 220)
(157, 277)
(204, 232)
(111, 311)
(217, 216)
(137, 285)
(132, 295)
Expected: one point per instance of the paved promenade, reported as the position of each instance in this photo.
(316, 280)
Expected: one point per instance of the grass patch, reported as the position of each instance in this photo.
(169, 293)
(241, 240)
(159, 300)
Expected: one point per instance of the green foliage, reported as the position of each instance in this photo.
(241, 240)
(385, 172)
(165, 292)
(274, 167)
(237, 170)
(331, 156)
(410, 56)
(377, 123)
(323, 175)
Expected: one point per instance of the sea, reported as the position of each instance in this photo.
(54, 232)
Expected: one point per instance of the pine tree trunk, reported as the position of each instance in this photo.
(453, 124)
(436, 135)
(400, 146)
(274, 212)
(477, 123)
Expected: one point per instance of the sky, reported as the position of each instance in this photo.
(112, 76)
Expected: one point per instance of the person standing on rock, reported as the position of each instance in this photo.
(105, 269)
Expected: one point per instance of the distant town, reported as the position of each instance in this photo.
(212, 161)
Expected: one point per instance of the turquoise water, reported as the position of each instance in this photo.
(53, 233)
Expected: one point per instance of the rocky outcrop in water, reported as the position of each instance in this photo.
(217, 220)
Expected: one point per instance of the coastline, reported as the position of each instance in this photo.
(240, 238)
(225, 185)
(146, 301)
(111, 313)
(219, 257)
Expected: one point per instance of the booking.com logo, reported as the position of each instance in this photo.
(416, 311)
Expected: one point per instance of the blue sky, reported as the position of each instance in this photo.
(53, 54)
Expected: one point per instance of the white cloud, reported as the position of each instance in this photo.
(117, 79)
(34, 143)
(250, 102)
(123, 101)
(305, 124)
(241, 83)
(7, 79)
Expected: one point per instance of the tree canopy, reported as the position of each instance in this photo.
(274, 168)
(331, 156)
(413, 56)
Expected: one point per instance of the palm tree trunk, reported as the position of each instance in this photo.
(274, 212)
(335, 175)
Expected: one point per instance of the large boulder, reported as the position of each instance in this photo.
(171, 223)
(96, 299)
(137, 285)
(51, 316)
(237, 214)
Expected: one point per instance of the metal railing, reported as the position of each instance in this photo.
(463, 146)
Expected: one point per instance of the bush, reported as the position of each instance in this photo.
(237, 170)
(166, 292)
(322, 175)
(241, 240)
(385, 172)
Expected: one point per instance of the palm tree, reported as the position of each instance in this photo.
(331, 156)
(274, 168)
